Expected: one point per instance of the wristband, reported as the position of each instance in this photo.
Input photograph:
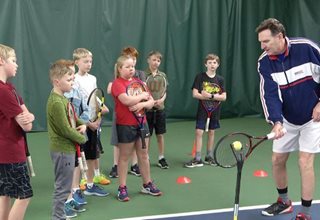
(212, 96)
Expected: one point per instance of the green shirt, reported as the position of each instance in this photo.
(62, 136)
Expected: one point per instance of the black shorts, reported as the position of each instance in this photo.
(15, 181)
(201, 124)
(157, 121)
(92, 146)
(128, 133)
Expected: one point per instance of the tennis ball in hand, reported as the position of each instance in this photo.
(237, 145)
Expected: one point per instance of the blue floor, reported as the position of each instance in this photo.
(246, 213)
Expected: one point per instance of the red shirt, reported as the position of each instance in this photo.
(12, 142)
(124, 116)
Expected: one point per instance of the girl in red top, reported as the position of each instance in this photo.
(128, 128)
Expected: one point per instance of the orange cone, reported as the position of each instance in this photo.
(183, 180)
(260, 173)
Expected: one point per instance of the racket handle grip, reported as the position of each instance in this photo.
(207, 125)
(83, 172)
(84, 161)
(272, 134)
(80, 164)
(30, 166)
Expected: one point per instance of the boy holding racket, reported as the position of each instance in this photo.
(15, 120)
(207, 87)
(134, 169)
(62, 139)
(87, 83)
(156, 117)
(289, 70)
(82, 110)
(130, 135)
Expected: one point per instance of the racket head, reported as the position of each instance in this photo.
(212, 88)
(224, 153)
(95, 103)
(133, 89)
(157, 85)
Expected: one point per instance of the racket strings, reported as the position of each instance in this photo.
(71, 115)
(134, 89)
(157, 86)
(226, 155)
(95, 103)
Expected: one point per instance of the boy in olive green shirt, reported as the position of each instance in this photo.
(62, 138)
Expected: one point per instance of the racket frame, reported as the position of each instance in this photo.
(72, 118)
(240, 158)
(139, 116)
(210, 105)
(100, 103)
(165, 83)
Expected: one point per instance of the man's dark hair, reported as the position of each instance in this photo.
(273, 25)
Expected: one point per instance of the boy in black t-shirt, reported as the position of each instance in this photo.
(215, 93)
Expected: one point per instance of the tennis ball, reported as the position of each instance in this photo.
(237, 145)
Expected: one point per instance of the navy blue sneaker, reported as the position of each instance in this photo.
(135, 170)
(71, 208)
(79, 197)
(114, 172)
(95, 190)
(123, 195)
(151, 189)
(163, 164)
(68, 211)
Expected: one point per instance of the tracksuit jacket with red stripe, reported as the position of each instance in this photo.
(289, 84)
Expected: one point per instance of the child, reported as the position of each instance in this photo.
(62, 138)
(212, 63)
(156, 117)
(82, 110)
(87, 83)
(134, 170)
(15, 120)
(128, 129)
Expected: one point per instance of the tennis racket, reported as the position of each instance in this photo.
(29, 159)
(28, 155)
(72, 117)
(157, 86)
(95, 103)
(232, 150)
(210, 105)
(133, 89)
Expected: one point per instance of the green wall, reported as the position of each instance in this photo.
(184, 31)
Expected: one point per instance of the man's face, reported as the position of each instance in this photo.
(272, 45)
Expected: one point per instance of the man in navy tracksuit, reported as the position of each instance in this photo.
(289, 71)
